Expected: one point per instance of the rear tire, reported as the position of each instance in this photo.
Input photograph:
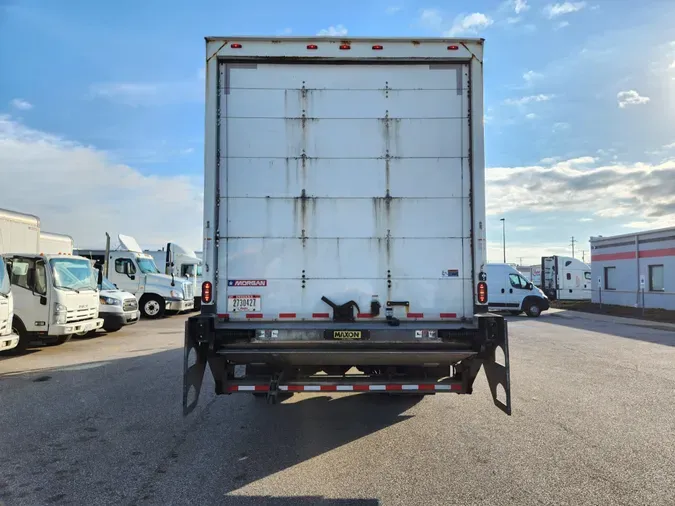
(152, 306)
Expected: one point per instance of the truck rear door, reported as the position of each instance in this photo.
(346, 181)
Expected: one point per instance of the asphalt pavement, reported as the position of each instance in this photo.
(98, 421)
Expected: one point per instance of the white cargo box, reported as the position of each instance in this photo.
(347, 169)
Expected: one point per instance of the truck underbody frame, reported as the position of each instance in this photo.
(243, 357)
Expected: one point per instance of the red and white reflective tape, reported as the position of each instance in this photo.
(324, 316)
(422, 387)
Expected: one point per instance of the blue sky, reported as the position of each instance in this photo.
(580, 106)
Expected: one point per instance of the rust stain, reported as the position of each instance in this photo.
(415, 42)
(302, 206)
(288, 174)
(276, 42)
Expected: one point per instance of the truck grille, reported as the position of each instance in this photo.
(76, 315)
(189, 292)
(130, 305)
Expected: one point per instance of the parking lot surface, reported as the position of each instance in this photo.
(98, 421)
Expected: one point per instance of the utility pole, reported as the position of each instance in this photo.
(573, 243)
(583, 256)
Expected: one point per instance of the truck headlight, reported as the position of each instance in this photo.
(176, 294)
(109, 301)
(60, 312)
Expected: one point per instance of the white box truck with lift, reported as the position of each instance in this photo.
(344, 220)
(55, 295)
(180, 262)
(134, 271)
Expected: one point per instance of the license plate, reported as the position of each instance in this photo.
(346, 335)
(244, 304)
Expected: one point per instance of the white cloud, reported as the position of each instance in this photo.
(671, 66)
(140, 94)
(639, 191)
(520, 6)
(559, 126)
(393, 9)
(78, 190)
(530, 76)
(524, 228)
(630, 97)
(431, 18)
(333, 31)
(531, 115)
(469, 24)
(585, 220)
(528, 99)
(285, 31)
(560, 9)
(669, 146)
(21, 104)
(512, 20)
(562, 24)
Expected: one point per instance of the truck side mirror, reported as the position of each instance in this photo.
(530, 286)
(99, 281)
(127, 271)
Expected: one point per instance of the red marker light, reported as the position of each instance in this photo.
(206, 291)
(312, 46)
(235, 46)
(345, 47)
(453, 48)
(482, 293)
(378, 48)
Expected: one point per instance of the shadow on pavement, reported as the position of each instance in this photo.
(651, 334)
(122, 436)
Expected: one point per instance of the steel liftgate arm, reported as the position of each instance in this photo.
(496, 373)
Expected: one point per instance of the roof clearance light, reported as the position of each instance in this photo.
(453, 48)
(345, 47)
(235, 46)
(378, 48)
(312, 46)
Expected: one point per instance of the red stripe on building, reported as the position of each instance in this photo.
(415, 315)
(628, 255)
(287, 315)
(254, 315)
(320, 315)
(448, 315)
(655, 253)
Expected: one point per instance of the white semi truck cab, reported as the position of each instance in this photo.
(8, 339)
(181, 262)
(134, 271)
(55, 296)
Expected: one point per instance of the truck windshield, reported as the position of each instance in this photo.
(73, 273)
(107, 285)
(4, 278)
(147, 266)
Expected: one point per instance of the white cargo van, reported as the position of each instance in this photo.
(180, 262)
(344, 220)
(565, 278)
(510, 291)
(134, 271)
(55, 296)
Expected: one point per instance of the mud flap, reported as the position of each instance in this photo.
(193, 374)
(498, 374)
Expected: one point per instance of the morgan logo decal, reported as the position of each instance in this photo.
(247, 282)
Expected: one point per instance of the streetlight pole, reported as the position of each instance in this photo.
(503, 220)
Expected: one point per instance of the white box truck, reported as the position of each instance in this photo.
(56, 244)
(181, 262)
(344, 220)
(134, 271)
(8, 338)
(55, 295)
(565, 278)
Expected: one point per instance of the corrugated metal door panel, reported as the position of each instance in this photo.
(327, 138)
(344, 258)
(431, 297)
(346, 217)
(286, 178)
(346, 174)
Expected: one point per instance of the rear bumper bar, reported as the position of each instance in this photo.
(291, 349)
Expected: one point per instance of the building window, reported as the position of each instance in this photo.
(656, 278)
(610, 278)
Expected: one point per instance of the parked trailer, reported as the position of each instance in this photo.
(344, 220)
(55, 296)
(180, 262)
